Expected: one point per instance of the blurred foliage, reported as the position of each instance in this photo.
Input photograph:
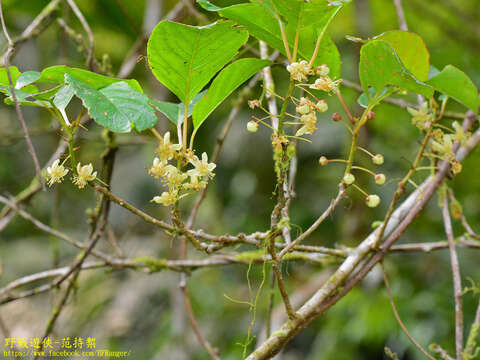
(129, 310)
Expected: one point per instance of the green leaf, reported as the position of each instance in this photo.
(118, 107)
(207, 5)
(224, 84)
(56, 74)
(62, 99)
(4, 77)
(380, 66)
(185, 58)
(363, 99)
(173, 111)
(311, 18)
(456, 84)
(299, 13)
(411, 50)
(27, 78)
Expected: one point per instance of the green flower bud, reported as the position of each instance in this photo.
(380, 179)
(252, 126)
(303, 109)
(378, 159)
(372, 200)
(291, 151)
(321, 106)
(349, 179)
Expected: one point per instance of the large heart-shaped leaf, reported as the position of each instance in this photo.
(456, 84)
(118, 107)
(185, 58)
(224, 84)
(380, 66)
(311, 19)
(56, 74)
(411, 50)
(173, 111)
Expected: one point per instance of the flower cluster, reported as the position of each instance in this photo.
(175, 178)
(442, 145)
(56, 172)
(421, 118)
(306, 108)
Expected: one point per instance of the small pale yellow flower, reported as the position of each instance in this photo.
(195, 183)
(299, 71)
(166, 198)
(85, 174)
(158, 168)
(174, 176)
(166, 150)
(202, 167)
(305, 105)
(309, 122)
(325, 84)
(421, 117)
(55, 173)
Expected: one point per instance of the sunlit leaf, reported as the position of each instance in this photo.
(456, 84)
(411, 50)
(224, 84)
(380, 66)
(185, 58)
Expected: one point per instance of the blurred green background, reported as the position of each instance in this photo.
(132, 310)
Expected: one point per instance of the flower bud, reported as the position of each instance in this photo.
(380, 179)
(322, 70)
(323, 161)
(303, 109)
(291, 151)
(378, 159)
(349, 179)
(456, 167)
(370, 115)
(321, 106)
(254, 103)
(372, 200)
(336, 117)
(252, 126)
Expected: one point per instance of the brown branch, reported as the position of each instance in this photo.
(342, 281)
(316, 224)
(457, 282)
(6, 63)
(88, 31)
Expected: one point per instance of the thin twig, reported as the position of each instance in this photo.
(316, 224)
(87, 29)
(402, 22)
(397, 316)
(6, 63)
(457, 282)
